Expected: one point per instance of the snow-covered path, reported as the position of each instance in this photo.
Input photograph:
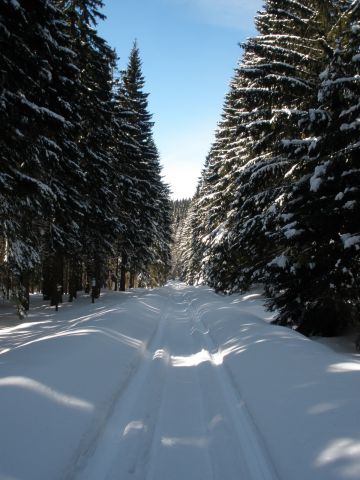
(178, 412)
(170, 384)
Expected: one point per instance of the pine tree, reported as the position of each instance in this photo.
(38, 155)
(273, 84)
(179, 215)
(313, 283)
(126, 152)
(164, 235)
(188, 259)
(287, 62)
(215, 195)
(72, 156)
(146, 236)
(95, 61)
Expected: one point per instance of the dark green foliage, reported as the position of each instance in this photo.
(95, 61)
(245, 168)
(319, 221)
(278, 198)
(146, 210)
(39, 121)
(75, 163)
(179, 228)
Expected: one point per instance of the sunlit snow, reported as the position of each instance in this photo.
(172, 383)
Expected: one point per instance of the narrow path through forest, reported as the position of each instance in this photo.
(180, 416)
(173, 383)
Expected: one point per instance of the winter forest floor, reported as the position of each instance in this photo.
(170, 384)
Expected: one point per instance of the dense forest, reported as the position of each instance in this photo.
(180, 231)
(278, 201)
(82, 201)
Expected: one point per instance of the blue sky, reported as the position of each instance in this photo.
(189, 50)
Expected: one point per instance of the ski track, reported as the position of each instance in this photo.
(177, 412)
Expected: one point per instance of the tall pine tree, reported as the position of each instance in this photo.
(40, 160)
(95, 61)
(313, 283)
(145, 240)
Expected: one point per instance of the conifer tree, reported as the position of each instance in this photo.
(273, 84)
(73, 158)
(215, 194)
(164, 235)
(188, 260)
(313, 283)
(95, 61)
(179, 215)
(289, 54)
(145, 240)
(39, 157)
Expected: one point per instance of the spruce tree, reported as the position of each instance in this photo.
(215, 195)
(281, 65)
(188, 259)
(95, 61)
(179, 215)
(313, 282)
(275, 82)
(145, 240)
(38, 155)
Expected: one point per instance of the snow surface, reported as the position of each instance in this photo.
(171, 384)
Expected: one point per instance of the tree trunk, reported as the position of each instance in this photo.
(123, 273)
(55, 281)
(75, 271)
(116, 274)
(25, 287)
(132, 280)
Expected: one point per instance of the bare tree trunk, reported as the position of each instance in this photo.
(53, 278)
(132, 280)
(25, 284)
(74, 278)
(123, 273)
(116, 274)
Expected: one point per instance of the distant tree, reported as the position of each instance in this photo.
(214, 197)
(179, 210)
(186, 259)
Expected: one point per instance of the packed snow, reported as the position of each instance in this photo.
(170, 384)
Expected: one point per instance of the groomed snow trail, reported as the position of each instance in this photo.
(180, 416)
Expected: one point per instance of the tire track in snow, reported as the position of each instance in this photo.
(251, 446)
(180, 416)
(180, 443)
(114, 452)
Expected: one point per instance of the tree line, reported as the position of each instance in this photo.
(82, 201)
(278, 198)
(180, 231)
